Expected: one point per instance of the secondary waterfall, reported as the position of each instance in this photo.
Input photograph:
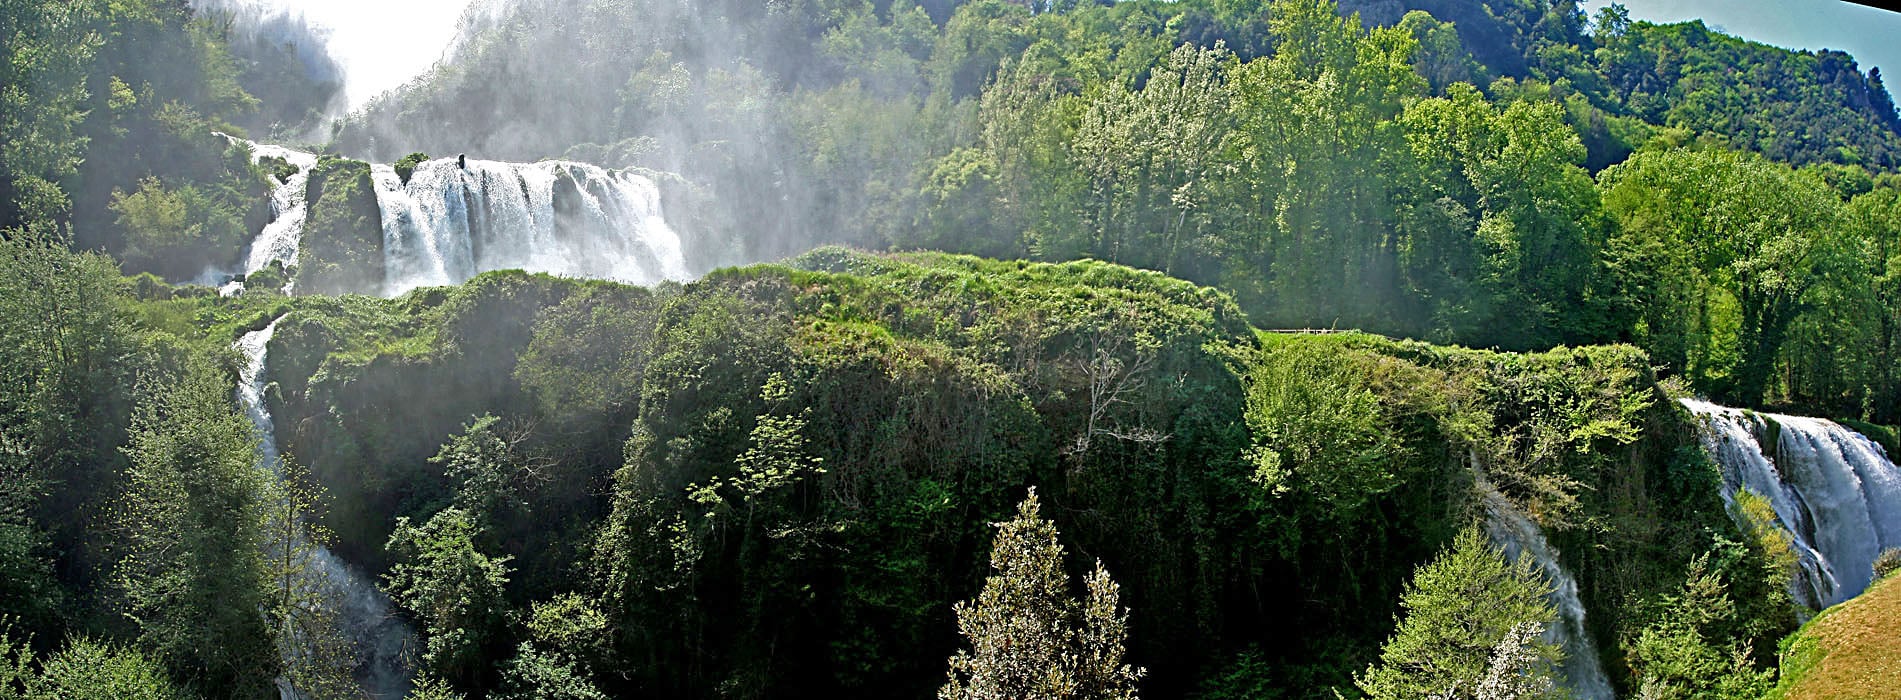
(289, 210)
(456, 218)
(1519, 536)
(379, 638)
(1834, 491)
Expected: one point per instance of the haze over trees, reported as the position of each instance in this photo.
(1018, 338)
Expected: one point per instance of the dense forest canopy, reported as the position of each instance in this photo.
(1207, 348)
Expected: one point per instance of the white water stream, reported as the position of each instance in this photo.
(379, 639)
(1835, 492)
(1583, 673)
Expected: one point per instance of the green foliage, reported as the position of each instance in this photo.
(1739, 246)
(1686, 652)
(106, 98)
(406, 165)
(589, 353)
(1320, 429)
(174, 233)
(192, 573)
(533, 673)
(83, 669)
(1458, 609)
(454, 590)
(1028, 637)
(432, 688)
(1792, 106)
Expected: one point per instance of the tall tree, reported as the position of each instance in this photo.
(455, 591)
(1727, 247)
(1314, 123)
(193, 575)
(1459, 610)
(1029, 639)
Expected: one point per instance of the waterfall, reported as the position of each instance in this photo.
(289, 210)
(457, 218)
(380, 639)
(1833, 490)
(1509, 528)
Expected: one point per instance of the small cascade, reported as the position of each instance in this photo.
(1508, 527)
(382, 640)
(457, 218)
(289, 210)
(1833, 490)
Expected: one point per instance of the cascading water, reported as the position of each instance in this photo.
(379, 638)
(452, 220)
(456, 218)
(289, 210)
(1833, 490)
(1519, 536)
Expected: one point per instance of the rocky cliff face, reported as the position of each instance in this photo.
(342, 247)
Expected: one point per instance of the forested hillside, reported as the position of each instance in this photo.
(1429, 179)
(1067, 349)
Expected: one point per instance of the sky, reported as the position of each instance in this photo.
(1872, 36)
(380, 43)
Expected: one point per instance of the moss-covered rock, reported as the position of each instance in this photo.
(342, 248)
(407, 165)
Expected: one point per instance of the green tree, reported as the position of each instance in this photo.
(1029, 638)
(1458, 609)
(1151, 156)
(1688, 652)
(317, 653)
(534, 673)
(83, 669)
(66, 359)
(1310, 240)
(1876, 217)
(50, 47)
(174, 231)
(1501, 229)
(191, 525)
(453, 589)
(1732, 245)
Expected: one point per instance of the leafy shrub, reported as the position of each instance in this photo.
(1887, 562)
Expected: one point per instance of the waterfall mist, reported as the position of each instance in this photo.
(357, 48)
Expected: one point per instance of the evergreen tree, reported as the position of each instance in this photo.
(1686, 653)
(1460, 609)
(1029, 638)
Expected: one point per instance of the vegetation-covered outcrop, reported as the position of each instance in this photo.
(804, 451)
(342, 246)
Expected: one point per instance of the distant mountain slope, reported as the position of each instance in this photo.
(1796, 106)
